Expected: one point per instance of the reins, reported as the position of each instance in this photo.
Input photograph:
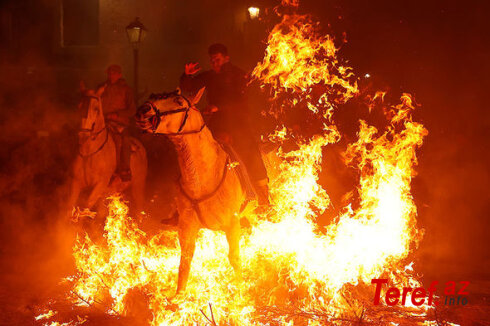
(94, 135)
(100, 147)
(159, 115)
(196, 201)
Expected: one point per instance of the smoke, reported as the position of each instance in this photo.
(37, 144)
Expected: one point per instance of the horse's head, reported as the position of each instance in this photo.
(170, 114)
(90, 110)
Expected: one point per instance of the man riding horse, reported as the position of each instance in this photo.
(229, 121)
(96, 163)
(119, 106)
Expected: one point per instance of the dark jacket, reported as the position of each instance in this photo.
(118, 98)
(225, 89)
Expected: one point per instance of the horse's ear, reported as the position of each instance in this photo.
(198, 96)
(100, 91)
(178, 90)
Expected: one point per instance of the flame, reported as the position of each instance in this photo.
(289, 264)
(45, 315)
(281, 256)
(297, 60)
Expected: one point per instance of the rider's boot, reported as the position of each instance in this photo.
(124, 170)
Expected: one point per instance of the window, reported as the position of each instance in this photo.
(80, 22)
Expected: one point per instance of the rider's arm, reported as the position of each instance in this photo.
(124, 115)
(193, 83)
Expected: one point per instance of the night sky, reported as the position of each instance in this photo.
(438, 51)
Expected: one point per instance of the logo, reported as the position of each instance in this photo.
(453, 294)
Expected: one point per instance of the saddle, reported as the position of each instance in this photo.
(242, 174)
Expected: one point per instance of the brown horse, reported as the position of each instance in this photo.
(210, 193)
(95, 163)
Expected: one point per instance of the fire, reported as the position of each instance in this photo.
(283, 256)
(288, 263)
(45, 315)
(299, 60)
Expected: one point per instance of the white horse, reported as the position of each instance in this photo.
(210, 194)
(95, 163)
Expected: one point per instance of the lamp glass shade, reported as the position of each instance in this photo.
(253, 12)
(136, 32)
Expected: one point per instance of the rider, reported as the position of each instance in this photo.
(118, 105)
(229, 122)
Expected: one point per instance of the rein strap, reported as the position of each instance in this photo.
(100, 147)
(196, 201)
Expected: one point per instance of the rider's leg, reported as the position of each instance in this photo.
(248, 149)
(124, 166)
(240, 136)
(117, 142)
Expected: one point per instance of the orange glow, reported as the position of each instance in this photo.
(288, 262)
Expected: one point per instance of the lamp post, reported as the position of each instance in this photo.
(136, 32)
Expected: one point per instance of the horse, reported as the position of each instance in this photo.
(209, 190)
(95, 163)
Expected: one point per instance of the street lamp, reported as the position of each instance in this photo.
(253, 12)
(136, 32)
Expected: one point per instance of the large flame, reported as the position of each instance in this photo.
(299, 62)
(289, 264)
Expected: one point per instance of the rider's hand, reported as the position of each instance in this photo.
(192, 68)
(210, 109)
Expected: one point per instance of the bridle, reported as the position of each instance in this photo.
(158, 118)
(93, 134)
(155, 121)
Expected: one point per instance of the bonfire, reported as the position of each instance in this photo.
(294, 272)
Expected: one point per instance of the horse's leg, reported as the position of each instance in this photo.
(233, 237)
(139, 167)
(187, 239)
(138, 194)
(96, 193)
(75, 189)
(75, 186)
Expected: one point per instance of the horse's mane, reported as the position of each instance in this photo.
(163, 96)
